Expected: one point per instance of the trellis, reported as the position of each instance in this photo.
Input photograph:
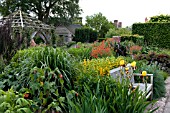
(17, 30)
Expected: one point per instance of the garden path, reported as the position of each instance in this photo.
(164, 102)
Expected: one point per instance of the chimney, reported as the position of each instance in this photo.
(146, 19)
(120, 25)
(116, 23)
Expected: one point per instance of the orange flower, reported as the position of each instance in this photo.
(101, 50)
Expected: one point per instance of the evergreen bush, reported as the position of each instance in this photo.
(154, 33)
(85, 35)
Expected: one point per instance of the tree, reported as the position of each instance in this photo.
(99, 23)
(45, 10)
(160, 18)
(117, 32)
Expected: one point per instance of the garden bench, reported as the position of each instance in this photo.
(146, 88)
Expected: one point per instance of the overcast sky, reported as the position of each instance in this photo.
(125, 11)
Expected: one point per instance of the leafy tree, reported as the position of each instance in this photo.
(99, 23)
(160, 18)
(63, 10)
(117, 32)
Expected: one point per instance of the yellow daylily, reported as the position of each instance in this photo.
(144, 73)
(101, 71)
(41, 83)
(127, 68)
(122, 63)
(133, 64)
(84, 62)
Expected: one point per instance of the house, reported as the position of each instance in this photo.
(67, 32)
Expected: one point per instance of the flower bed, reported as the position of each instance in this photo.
(100, 66)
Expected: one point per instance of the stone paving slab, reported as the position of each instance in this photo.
(166, 110)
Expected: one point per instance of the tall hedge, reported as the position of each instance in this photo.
(154, 33)
(85, 35)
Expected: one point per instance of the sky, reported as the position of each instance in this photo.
(125, 11)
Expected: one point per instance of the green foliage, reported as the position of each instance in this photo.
(69, 44)
(104, 94)
(139, 40)
(99, 23)
(13, 103)
(55, 39)
(2, 64)
(117, 32)
(164, 74)
(148, 49)
(101, 39)
(46, 88)
(96, 21)
(158, 79)
(154, 33)
(160, 18)
(18, 70)
(164, 51)
(85, 35)
(80, 53)
(163, 60)
(43, 73)
(62, 11)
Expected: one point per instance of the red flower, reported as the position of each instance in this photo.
(26, 95)
(77, 94)
(61, 76)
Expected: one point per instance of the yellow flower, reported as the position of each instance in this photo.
(101, 71)
(122, 63)
(41, 83)
(127, 68)
(84, 62)
(144, 73)
(133, 64)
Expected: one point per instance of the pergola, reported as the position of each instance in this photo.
(20, 22)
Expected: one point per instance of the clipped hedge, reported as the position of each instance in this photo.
(134, 38)
(155, 33)
(85, 35)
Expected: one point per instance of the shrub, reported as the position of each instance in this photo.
(158, 79)
(164, 74)
(80, 53)
(162, 60)
(102, 50)
(154, 33)
(139, 40)
(2, 64)
(100, 66)
(18, 70)
(106, 95)
(69, 44)
(85, 35)
(45, 74)
(10, 102)
(135, 49)
(117, 32)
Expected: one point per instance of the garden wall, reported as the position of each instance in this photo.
(154, 33)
